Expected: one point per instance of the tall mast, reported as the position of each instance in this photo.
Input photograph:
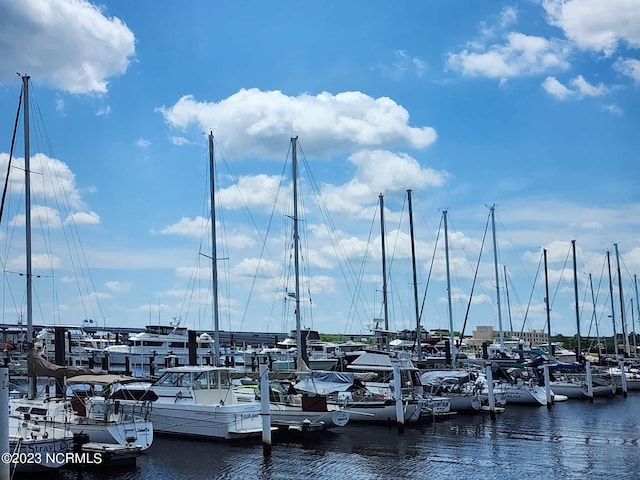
(27, 206)
(446, 256)
(492, 211)
(620, 291)
(635, 282)
(384, 265)
(214, 256)
(594, 316)
(294, 163)
(415, 280)
(575, 290)
(506, 291)
(546, 298)
(613, 310)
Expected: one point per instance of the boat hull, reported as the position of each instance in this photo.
(222, 422)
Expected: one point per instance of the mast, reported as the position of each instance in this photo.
(415, 281)
(492, 211)
(302, 354)
(575, 290)
(635, 282)
(506, 291)
(214, 256)
(595, 317)
(384, 265)
(446, 256)
(620, 291)
(546, 298)
(613, 310)
(27, 205)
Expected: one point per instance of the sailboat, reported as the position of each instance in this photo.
(198, 400)
(26, 434)
(516, 384)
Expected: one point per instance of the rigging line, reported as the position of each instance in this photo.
(235, 183)
(395, 247)
(433, 257)
(566, 259)
(533, 287)
(64, 204)
(336, 244)
(475, 278)
(11, 150)
(263, 248)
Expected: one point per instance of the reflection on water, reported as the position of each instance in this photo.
(574, 440)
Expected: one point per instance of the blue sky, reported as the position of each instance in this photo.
(530, 105)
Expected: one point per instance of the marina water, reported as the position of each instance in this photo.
(573, 440)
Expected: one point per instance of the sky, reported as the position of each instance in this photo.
(531, 106)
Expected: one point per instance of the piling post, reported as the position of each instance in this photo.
(397, 387)
(193, 347)
(266, 415)
(547, 386)
(5, 467)
(587, 366)
(492, 398)
(623, 379)
(59, 340)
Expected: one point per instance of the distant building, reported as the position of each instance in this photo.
(486, 333)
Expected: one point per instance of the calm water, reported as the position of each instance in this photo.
(575, 440)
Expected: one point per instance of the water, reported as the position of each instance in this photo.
(575, 440)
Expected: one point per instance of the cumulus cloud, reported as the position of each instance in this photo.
(595, 24)
(52, 179)
(379, 171)
(581, 88)
(519, 55)
(253, 122)
(68, 44)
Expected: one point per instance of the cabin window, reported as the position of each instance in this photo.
(177, 345)
(200, 380)
(148, 343)
(205, 345)
(168, 379)
(184, 380)
(38, 411)
(224, 380)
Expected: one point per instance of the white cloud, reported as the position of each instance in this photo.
(51, 179)
(508, 16)
(192, 227)
(118, 287)
(68, 44)
(83, 218)
(103, 111)
(581, 88)
(556, 89)
(40, 215)
(629, 67)
(596, 24)
(403, 65)
(379, 171)
(253, 122)
(585, 89)
(250, 191)
(143, 143)
(612, 108)
(520, 55)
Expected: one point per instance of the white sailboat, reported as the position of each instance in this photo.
(25, 434)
